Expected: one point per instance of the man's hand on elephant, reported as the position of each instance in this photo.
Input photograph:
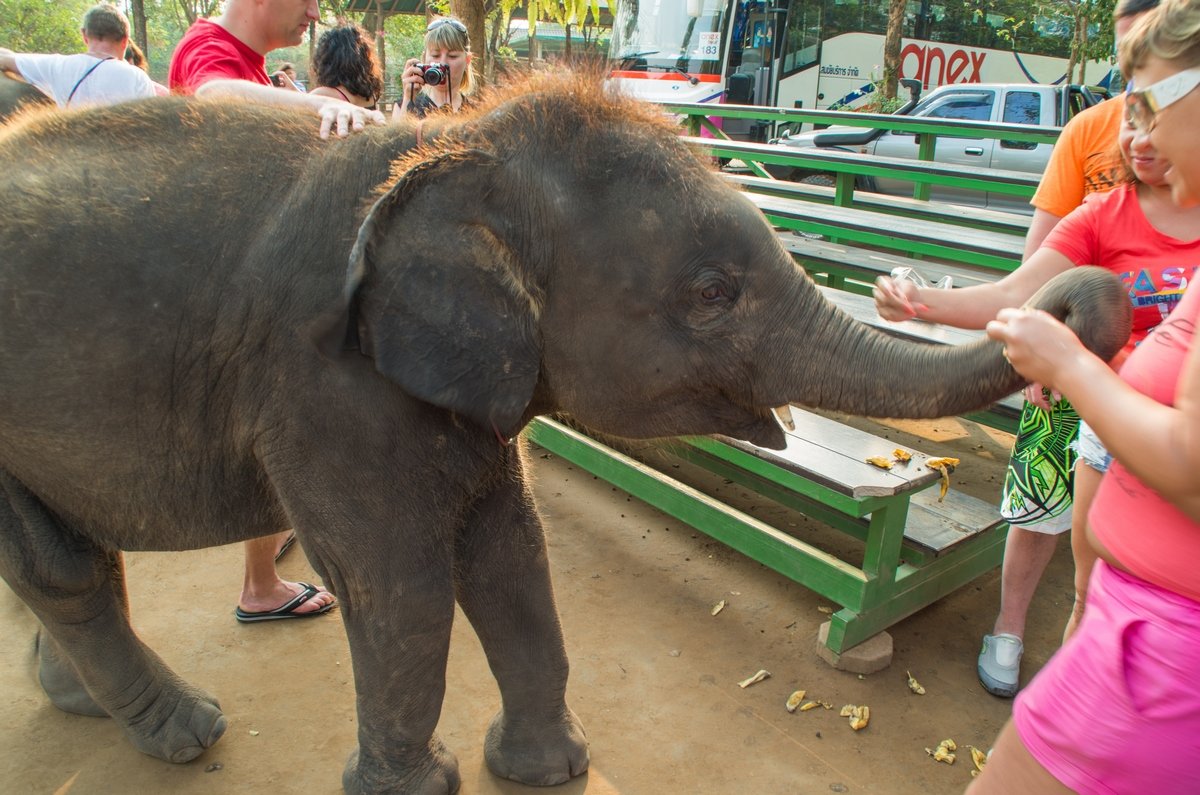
(347, 118)
(1037, 345)
(897, 300)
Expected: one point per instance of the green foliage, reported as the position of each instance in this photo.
(42, 25)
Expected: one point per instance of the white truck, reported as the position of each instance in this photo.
(1014, 103)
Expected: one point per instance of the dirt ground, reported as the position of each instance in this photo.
(653, 673)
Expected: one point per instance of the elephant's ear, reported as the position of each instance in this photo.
(437, 298)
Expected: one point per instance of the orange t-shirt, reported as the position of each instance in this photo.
(1085, 159)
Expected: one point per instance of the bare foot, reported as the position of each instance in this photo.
(279, 595)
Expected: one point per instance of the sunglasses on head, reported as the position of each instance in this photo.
(1142, 106)
(454, 23)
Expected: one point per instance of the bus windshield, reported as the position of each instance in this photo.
(668, 35)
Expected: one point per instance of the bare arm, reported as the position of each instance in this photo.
(1039, 228)
(1159, 444)
(969, 307)
(347, 117)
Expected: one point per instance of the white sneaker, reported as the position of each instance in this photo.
(1000, 664)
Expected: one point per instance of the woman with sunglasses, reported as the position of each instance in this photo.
(446, 43)
(344, 66)
(1118, 708)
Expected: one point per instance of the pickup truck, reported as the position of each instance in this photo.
(1015, 103)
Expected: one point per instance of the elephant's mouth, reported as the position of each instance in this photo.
(764, 429)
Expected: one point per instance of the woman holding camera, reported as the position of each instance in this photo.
(344, 66)
(442, 78)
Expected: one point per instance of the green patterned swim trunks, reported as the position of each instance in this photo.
(1041, 470)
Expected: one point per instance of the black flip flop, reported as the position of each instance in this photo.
(286, 610)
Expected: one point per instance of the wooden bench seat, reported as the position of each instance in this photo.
(892, 233)
(956, 214)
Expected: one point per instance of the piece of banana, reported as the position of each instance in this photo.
(979, 758)
(903, 456)
(880, 461)
(793, 702)
(753, 680)
(945, 752)
(807, 705)
(945, 466)
(914, 685)
(859, 716)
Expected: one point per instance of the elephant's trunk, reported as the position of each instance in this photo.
(844, 365)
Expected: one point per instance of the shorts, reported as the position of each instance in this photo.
(1041, 470)
(1091, 450)
(1117, 709)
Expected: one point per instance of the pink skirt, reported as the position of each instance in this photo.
(1117, 709)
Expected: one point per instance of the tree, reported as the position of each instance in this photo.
(137, 11)
(38, 26)
(891, 47)
(1085, 47)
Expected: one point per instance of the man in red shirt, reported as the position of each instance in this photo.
(226, 56)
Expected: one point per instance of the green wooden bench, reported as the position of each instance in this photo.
(892, 233)
(942, 212)
(916, 548)
(855, 269)
(848, 166)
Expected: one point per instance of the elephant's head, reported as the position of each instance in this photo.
(564, 250)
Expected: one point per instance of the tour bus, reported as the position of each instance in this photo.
(823, 53)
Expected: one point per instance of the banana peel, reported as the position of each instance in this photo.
(794, 701)
(914, 685)
(945, 752)
(978, 758)
(945, 466)
(880, 461)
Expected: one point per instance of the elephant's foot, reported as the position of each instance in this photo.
(547, 753)
(435, 772)
(60, 680)
(178, 726)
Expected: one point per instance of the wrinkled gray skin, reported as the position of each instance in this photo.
(188, 361)
(16, 94)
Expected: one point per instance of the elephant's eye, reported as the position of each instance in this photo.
(715, 287)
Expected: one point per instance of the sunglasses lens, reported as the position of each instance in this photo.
(1138, 112)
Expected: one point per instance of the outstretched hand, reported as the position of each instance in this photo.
(896, 300)
(345, 118)
(1037, 345)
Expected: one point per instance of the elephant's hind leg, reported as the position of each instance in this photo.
(77, 590)
(502, 581)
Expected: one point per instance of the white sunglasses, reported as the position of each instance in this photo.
(1142, 106)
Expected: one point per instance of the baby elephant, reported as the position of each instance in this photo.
(214, 325)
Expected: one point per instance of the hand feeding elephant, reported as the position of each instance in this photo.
(187, 362)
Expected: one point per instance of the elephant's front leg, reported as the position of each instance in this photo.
(398, 614)
(502, 579)
(390, 569)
